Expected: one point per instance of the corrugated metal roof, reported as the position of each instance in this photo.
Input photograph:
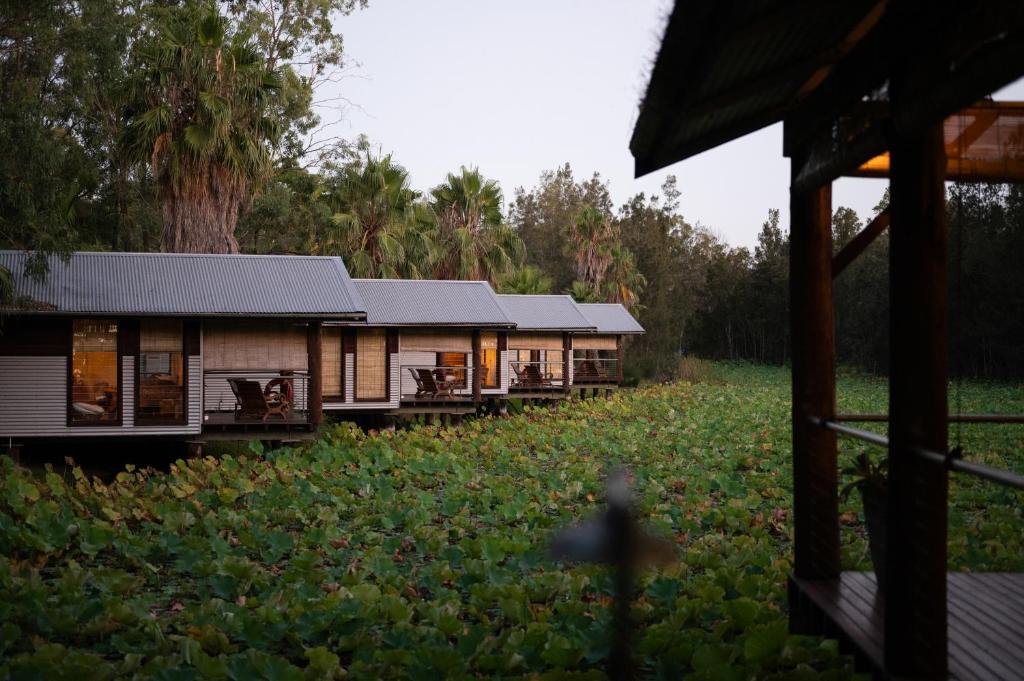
(539, 312)
(426, 302)
(190, 285)
(611, 318)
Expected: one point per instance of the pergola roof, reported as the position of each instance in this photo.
(726, 69)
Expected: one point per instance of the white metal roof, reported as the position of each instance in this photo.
(179, 284)
(544, 312)
(431, 302)
(611, 318)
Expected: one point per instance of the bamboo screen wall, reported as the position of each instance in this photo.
(535, 341)
(371, 364)
(262, 345)
(593, 343)
(420, 341)
(331, 349)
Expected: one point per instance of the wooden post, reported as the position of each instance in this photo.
(566, 363)
(315, 395)
(477, 367)
(915, 618)
(618, 358)
(815, 469)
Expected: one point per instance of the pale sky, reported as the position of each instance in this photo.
(517, 88)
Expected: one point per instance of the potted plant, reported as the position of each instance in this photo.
(870, 479)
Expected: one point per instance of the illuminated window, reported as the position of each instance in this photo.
(161, 372)
(489, 360)
(95, 385)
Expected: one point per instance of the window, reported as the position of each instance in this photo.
(456, 375)
(95, 396)
(489, 360)
(162, 396)
(371, 364)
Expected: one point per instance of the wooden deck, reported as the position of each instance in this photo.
(985, 623)
(223, 421)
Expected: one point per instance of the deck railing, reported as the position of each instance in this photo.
(595, 370)
(220, 403)
(526, 375)
(432, 381)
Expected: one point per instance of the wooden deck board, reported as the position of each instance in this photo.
(985, 621)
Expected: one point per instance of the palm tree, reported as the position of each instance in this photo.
(204, 126)
(527, 279)
(591, 237)
(606, 271)
(472, 240)
(380, 224)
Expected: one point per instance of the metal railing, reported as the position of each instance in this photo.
(527, 374)
(950, 460)
(431, 381)
(276, 385)
(595, 370)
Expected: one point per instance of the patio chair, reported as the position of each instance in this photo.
(520, 375)
(432, 386)
(250, 401)
(534, 378)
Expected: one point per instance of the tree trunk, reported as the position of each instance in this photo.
(201, 217)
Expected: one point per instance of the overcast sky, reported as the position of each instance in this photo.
(517, 88)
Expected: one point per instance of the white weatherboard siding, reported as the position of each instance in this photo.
(41, 407)
(502, 389)
(350, 404)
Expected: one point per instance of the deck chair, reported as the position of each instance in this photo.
(250, 401)
(431, 385)
(520, 378)
(421, 388)
(534, 378)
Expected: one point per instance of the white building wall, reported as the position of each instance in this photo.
(36, 404)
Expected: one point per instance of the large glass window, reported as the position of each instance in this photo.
(161, 372)
(489, 360)
(95, 395)
(452, 369)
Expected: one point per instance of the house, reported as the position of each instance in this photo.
(598, 358)
(154, 344)
(898, 90)
(540, 349)
(428, 347)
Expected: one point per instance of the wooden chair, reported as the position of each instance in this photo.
(431, 386)
(520, 375)
(250, 401)
(534, 378)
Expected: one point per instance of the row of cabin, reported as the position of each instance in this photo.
(190, 346)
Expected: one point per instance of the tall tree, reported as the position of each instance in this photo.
(541, 216)
(378, 223)
(205, 129)
(472, 239)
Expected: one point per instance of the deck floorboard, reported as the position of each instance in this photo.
(985, 621)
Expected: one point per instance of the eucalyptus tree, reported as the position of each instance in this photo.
(471, 238)
(380, 223)
(205, 126)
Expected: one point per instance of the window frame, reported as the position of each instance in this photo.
(142, 420)
(119, 350)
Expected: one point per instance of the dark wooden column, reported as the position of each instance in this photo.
(477, 367)
(619, 355)
(566, 362)
(815, 472)
(315, 389)
(915, 622)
